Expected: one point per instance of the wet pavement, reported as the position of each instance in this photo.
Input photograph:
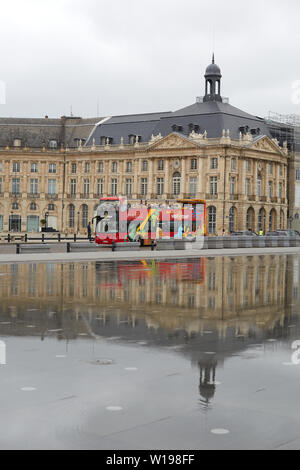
(187, 354)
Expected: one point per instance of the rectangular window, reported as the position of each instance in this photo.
(16, 167)
(16, 186)
(115, 167)
(270, 166)
(193, 186)
(86, 187)
(1, 167)
(1, 223)
(114, 187)
(0, 185)
(213, 185)
(100, 167)
(144, 186)
(233, 164)
(87, 168)
(73, 187)
(160, 186)
(259, 186)
(129, 167)
(248, 166)
(161, 165)
(100, 187)
(52, 168)
(128, 187)
(34, 186)
(280, 190)
(247, 187)
(232, 186)
(270, 189)
(297, 175)
(145, 165)
(213, 163)
(34, 168)
(74, 168)
(52, 187)
(193, 164)
(280, 170)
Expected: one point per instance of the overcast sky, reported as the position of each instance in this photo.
(139, 56)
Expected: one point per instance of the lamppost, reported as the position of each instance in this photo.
(46, 216)
(265, 224)
(78, 224)
(291, 221)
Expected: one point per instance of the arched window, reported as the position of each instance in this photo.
(271, 222)
(33, 206)
(262, 220)
(250, 225)
(71, 216)
(212, 220)
(176, 184)
(232, 220)
(85, 216)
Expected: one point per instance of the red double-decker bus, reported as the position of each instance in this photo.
(118, 222)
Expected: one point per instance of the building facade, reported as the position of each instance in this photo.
(55, 173)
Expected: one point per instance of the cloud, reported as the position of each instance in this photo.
(140, 56)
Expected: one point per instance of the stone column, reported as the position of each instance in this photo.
(167, 169)
(183, 177)
(150, 182)
(254, 185)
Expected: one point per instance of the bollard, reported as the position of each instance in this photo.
(26, 238)
(18, 248)
(59, 237)
(43, 238)
(113, 247)
(8, 238)
(152, 245)
(68, 247)
(75, 238)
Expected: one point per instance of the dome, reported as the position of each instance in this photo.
(213, 69)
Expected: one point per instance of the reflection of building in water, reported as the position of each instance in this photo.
(187, 295)
(241, 301)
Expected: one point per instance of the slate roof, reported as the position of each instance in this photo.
(35, 132)
(210, 116)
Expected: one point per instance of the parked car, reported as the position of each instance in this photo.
(246, 233)
(283, 233)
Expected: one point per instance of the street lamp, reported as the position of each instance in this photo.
(46, 216)
(78, 213)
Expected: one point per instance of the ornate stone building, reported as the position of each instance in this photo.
(57, 170)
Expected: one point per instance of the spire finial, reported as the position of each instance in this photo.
(213, 58)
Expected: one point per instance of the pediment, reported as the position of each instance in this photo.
(266, 144)
(172, 141)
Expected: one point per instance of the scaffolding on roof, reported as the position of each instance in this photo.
(288, 128)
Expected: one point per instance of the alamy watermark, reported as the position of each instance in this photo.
(295, 359)
(2, 353)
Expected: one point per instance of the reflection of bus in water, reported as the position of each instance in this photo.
(123, 271)
(117, 222)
